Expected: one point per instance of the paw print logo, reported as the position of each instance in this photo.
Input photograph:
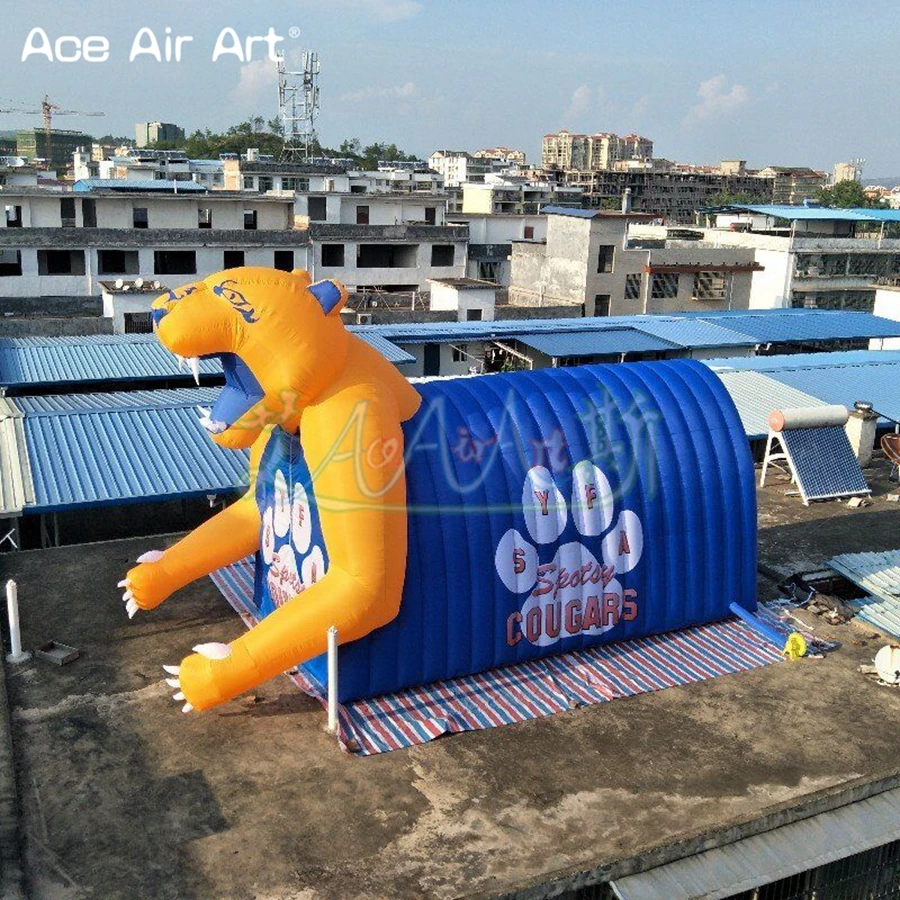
(569, 588)
(292, 560)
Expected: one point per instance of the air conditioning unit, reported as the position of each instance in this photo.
(364, 318)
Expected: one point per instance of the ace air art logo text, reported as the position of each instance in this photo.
(574, 592)
(167, 47)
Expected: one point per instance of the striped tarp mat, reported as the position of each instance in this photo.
(526, 690)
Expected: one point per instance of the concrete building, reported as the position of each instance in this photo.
(669, 195)
(846, 171)
(151, 132)
(491, 236)
(822, 259)
(140, 165)
(457, 167)
(793, 184)
(388, 259)
(505, 155)
(589, 262)
(31, 143)
(516, 195)
(67, 243)
(473, 299)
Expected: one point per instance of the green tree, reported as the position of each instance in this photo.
(737, 198)
(846, 194)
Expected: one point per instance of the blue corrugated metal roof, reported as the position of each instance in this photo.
(595, 343)
(788, 361)
(807, 325)
(93, 358)
(52, 403)
(570, 211)
(76, 360)
(690, 333)
(844, 378)
(164, 185)
(792, 213)
(100, 457)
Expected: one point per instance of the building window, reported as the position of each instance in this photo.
(10, 262)
(204, 217)
(294, 184)
(430, 215)
(386, 256)
(474, 315)
(489, 271)
(442, 254)
(117, 262)
(175, 262)
(13, 216)
(60, 262)
(140, 217)
(265, 183)
(249, 220)
(529, 232)
(605, 256)
(67, 211)
(332, 254)
(284, 260)
(461, 351)
(710, 286)
(89, 213)
(601, 304)
(138, 323)
(362, 215)
(248, 183)
(232, 259)
(317, 209)
(664, 286)
(633, 287)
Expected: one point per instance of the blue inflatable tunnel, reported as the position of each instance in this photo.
(562, 509)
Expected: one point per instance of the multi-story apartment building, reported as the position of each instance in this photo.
(151, 132)
(792, 184)
(31, 143)
(171, 165)
(588, 261)
(592, 152)
(491, 236)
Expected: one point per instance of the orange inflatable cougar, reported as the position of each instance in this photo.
(321, 411)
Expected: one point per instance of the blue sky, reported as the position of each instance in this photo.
(796, 82)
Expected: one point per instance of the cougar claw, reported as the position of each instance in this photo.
(178, 696)
(173, 682)
(151, 556)
(131, 608)
(124, 583)
(172, 670)
(213, 650)
(187, 708)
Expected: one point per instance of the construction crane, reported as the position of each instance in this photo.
(47, 111)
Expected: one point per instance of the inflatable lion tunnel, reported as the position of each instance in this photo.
(451, 527)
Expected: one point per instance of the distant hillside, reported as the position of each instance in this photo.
(888, 181)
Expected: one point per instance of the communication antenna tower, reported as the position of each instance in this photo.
(858, 164)
(298, 105)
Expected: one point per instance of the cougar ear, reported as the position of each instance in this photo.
(302, 275)
(330, 295)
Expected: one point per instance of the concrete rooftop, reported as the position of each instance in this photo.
(123, 796)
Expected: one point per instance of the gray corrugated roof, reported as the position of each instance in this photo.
(692, 332)
(879, 575)
(16, 487)
(755, 395)
(771, 856)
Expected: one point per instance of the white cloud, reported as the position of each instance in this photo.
(399, 92)
(257, 84)
(716, 99)
(579, 104)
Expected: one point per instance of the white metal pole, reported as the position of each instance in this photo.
(332, 679)
(16, 653)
